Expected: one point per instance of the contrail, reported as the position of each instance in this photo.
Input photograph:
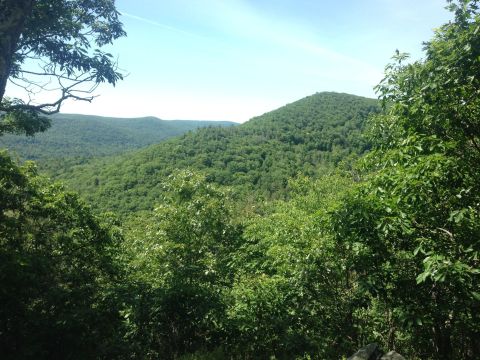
(163, 26)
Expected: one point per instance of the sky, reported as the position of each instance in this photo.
(236, 59)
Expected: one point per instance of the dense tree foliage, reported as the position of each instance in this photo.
(292, 294)
(307, 137)
(57, 271)
(274, 284)
(414, 225)
(180, 260)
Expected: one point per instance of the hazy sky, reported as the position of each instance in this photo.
(235, 59)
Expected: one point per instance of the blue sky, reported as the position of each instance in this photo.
(235, 59)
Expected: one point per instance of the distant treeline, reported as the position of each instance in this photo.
(87, 136)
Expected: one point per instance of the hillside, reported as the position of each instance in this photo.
(258, 157)
(73, 135)
(215, 249)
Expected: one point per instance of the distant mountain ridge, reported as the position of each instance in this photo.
(75, 135)
(307, 137)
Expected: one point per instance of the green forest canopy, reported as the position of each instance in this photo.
(307, 137)
(383, 249)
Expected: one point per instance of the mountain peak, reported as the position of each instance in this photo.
(257, 158)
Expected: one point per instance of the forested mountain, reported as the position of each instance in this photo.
(379, 243)
(305, 137)
(73, 135)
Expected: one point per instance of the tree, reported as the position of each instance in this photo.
(58, 271)
(413, 225)
(179, 257)
(47, 45)
(291, 296)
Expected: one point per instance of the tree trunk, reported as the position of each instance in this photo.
(442, 342)
(12, 19)
(391, 337)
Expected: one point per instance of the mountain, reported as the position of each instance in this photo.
(81, 136)
(308, 137)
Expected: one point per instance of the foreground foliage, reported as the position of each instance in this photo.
(180, 262)
(57, 271)
(414, 226)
